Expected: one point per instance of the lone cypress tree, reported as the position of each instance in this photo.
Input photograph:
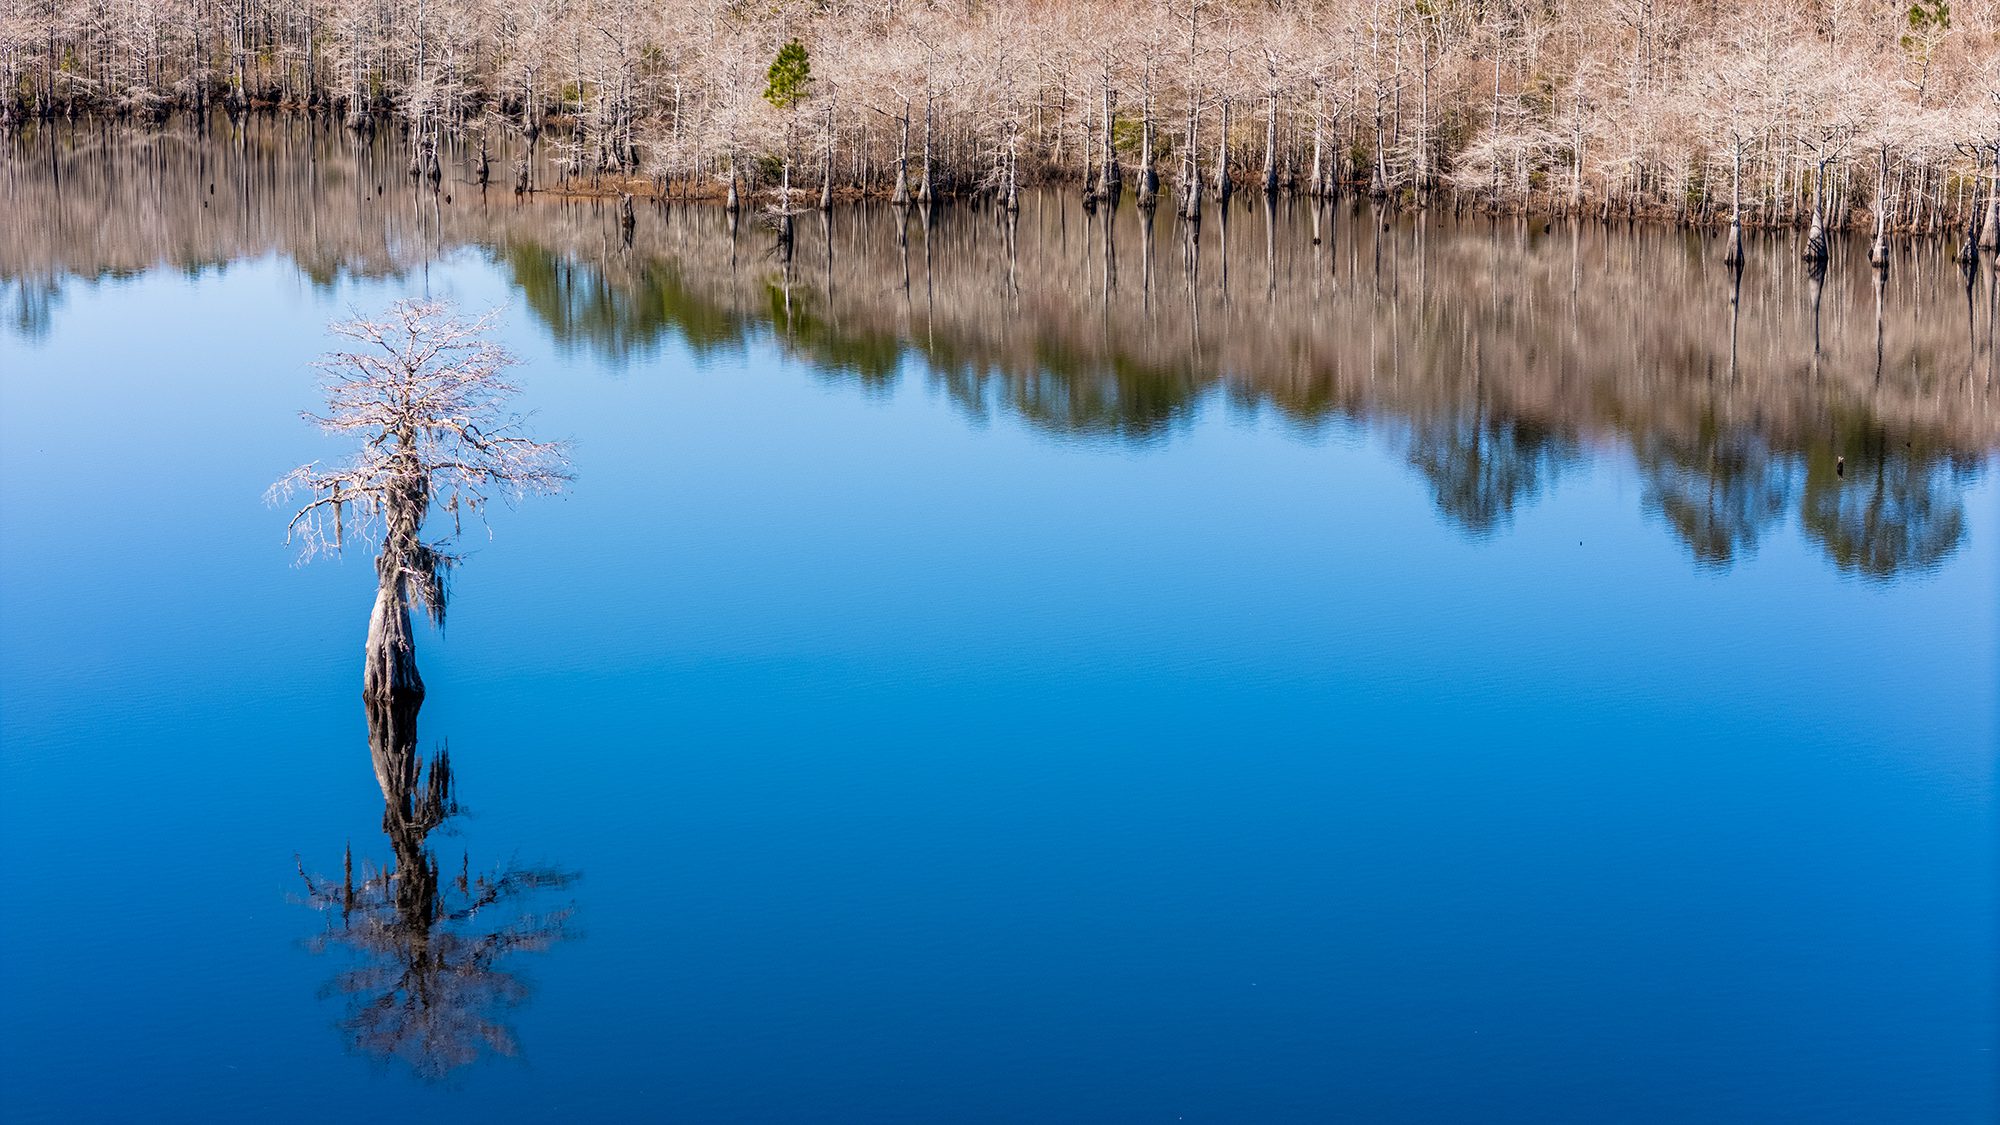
(427, 395)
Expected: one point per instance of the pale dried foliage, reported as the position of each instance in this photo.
(428, 396)
(1641, 104)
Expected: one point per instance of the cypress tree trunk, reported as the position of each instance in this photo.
(1378, 181)
(1734, 254)
(1149, 178)
(925, 192)
(901, 196)
(1013, 198)
(1815, 248)
(1968, 250)
(1223, 186)
(1989, 233)
(1316, 187)
(1190, 171)
(1112, 177)
(826, 177)
(1271, 145)
(1878, 251)
(389, 670)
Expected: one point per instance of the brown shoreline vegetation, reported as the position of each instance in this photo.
(1817, 115)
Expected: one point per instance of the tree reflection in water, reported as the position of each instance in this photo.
(30, 304)
(1720, 492)
(1482, 468)
(427, 397)
(1731, 392)
(1893, 512)
(432, 978)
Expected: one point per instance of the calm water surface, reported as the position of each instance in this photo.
(1448, 671)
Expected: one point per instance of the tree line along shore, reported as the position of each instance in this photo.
(1821, 115)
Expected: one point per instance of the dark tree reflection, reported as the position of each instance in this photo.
(1481, 468)
(33, 302)
(582, 306)
(1720, 493)
(1891, 511)
(1636, 339)
(432, 978)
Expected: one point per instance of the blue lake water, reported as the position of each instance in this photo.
(954, 727)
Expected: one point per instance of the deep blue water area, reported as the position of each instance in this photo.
(909, 756)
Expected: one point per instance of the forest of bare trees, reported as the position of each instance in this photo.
(1809, 113)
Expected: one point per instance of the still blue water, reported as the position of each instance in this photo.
(919, 765)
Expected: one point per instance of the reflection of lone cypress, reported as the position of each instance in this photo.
(431, 980)
(427, 395)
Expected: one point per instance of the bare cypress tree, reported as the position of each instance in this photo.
(1190, 166)
(428, 396)
(1733, 254)
(1878, 248)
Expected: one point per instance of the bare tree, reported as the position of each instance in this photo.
(428, 397)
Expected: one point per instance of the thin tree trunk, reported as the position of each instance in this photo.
(901, 196)
(1108, 183)
(1733, 255)
(1223, 186)
(1878, 251)
(1271, 144)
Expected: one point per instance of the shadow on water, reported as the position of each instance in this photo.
(1494, 353)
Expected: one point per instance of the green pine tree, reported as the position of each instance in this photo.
(791, 73)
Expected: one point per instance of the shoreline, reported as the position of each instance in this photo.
(713, 188)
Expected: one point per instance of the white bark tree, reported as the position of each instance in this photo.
(427, 396)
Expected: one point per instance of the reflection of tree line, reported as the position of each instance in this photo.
(1496, 355)
(1498, 352)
